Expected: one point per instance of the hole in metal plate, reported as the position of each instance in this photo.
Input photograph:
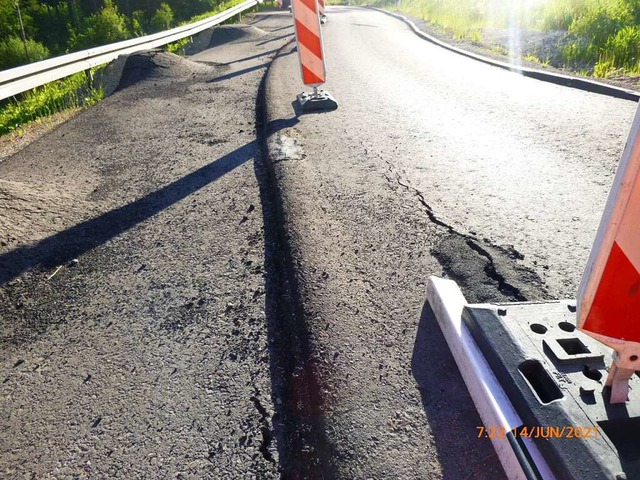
(592, 373)
(540, 381)
(538, 328)
(566, 326)
(573, 346)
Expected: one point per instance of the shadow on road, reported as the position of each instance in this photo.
(283, 28)
(449, 409)
(282, 123)
(281, 37)
(257, 55)
(299, 425)
(237, 73)
(73, 242)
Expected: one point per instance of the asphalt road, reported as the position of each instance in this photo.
(134, 319)
(520, 162)
(433, 164)
(182, 296)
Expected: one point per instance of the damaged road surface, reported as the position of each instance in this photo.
(133, 326)
(433, 164)
(196, 281)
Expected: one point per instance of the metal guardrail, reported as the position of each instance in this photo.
(20, 79)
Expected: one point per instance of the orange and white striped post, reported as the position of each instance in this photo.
(609, 293)
(311, 55)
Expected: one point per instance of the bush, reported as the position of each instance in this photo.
(12, 52)
(598, 23)
(138, 23)
(178, 47)
(162, 19)
(558, 14)
(607, 37)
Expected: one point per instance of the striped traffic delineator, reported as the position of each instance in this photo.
(609, 293)
(306, 20)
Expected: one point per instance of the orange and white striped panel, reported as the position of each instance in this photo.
(309, 39)
(609, 294)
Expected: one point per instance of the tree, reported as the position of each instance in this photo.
(138, 23)
(50, 20)
(106, 26)
(163, 17)
(10, 22)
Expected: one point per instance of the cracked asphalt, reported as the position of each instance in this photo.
(134, 324)
(433, 164)
(198, 281)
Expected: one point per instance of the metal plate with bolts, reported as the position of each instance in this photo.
(552, 375)
(319, 100)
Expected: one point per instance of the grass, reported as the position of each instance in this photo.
(534, 59)
(75, 91)
(178, 47)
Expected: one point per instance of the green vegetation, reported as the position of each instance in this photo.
(220, 8)
(463, 19)
(177, 47)
(13, 51)
(600, 36)
(71, 92)
(106, 25)
(163, 18)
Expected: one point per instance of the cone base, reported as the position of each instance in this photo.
(546, 381)
(323, 101)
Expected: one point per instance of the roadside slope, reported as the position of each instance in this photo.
(132, 303)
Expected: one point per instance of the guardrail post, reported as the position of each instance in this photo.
(89, 74)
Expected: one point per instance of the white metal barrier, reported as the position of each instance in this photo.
(20, 79)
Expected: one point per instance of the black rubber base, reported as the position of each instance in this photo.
(323, 101)
(554, 376)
